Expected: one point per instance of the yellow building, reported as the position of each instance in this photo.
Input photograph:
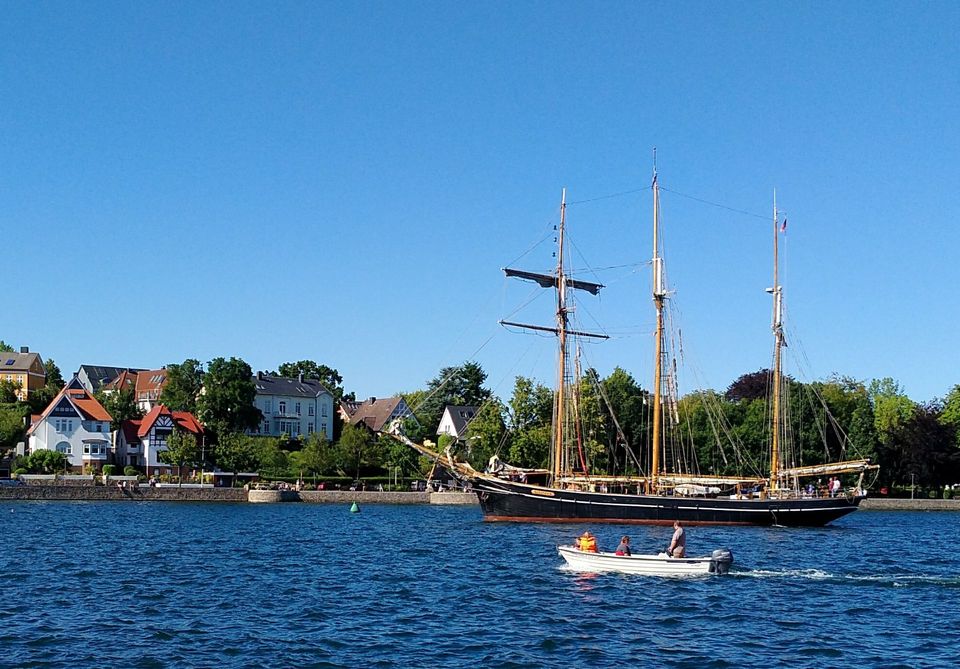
(23, 368)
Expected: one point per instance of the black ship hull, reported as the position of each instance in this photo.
(503, 500)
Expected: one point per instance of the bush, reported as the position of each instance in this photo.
(108, 470)
(947, 493)
(933, 494)
(18, 472)
(130, 470)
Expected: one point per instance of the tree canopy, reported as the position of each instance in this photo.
(227, 402)
(183, 386)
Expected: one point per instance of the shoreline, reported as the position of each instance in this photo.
(82, 493)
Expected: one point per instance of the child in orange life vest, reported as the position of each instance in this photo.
(586, 542)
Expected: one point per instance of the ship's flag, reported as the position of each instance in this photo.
(783, 228)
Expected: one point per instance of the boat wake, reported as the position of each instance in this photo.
(881, 580)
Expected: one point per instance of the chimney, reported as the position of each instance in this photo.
(259, 376)
(24, 349)
(300, 377)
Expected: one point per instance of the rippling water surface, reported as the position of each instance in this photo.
(204, 585)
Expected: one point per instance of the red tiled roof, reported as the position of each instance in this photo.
(183, 419)
(85, 403)
(151, 381)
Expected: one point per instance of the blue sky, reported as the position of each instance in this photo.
(343, 182)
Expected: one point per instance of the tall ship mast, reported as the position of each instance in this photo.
(660, 496)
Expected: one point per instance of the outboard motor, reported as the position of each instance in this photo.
(720, 561)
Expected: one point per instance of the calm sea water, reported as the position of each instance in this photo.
(302, 585)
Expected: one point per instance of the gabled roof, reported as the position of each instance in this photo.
(185, 420)
(151, 381)
(460, 416)
(18, 362)
(374, 412)
(85, 404)
(290, 387)
(126, 381)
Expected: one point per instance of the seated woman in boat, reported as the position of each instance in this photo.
(624, 547)
(678, 544)
(586, 542)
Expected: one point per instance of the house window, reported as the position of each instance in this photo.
(266, 427)
(323, 428)
(310, 410)
(268, 406)
(64, 447)
(283, 407)
(296, 408)
(323, 410)
(309, 428)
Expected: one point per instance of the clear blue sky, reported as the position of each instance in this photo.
(343, 181)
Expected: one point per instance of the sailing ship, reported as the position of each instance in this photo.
(568, 492)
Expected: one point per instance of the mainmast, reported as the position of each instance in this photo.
(777, 293)
(560, 456)
(659, 294)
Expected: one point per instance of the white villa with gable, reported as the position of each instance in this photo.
(75, 424)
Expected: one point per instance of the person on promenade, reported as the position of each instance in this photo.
(586, 542)
(678, 544)
(624, 547)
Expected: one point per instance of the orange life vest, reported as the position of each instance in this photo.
(588, 544)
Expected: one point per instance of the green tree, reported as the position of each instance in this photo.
(236, 452)
(485, 433)
(357, 449)
(47, 462)
(272, 461)
(5, 347)
(226, 403)
(891, 407)
(182, 449)
(328, 376)
(54, 377)
(121, 404)
(316, 458)
(950, 416)
(183, 386)
(8, 391)
(457, 386)
(12, 426)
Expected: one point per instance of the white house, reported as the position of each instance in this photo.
(293, 406)
(75, 424)
(141, 441)
(455, 421)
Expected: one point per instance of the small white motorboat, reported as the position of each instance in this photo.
(652, 565)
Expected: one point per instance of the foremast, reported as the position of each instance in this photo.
(561, 438)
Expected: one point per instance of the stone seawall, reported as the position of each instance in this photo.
(102, 493)
(360, 497)
(890, 504)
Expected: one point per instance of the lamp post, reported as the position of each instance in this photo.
(912, 477)
(203, 454)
